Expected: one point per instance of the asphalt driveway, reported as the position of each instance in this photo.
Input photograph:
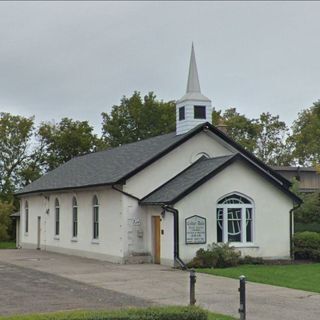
(123, 285)
(26, 290)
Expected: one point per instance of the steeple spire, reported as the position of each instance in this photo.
(193, 78)
(193, 108)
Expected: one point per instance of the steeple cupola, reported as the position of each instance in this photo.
(193, 108)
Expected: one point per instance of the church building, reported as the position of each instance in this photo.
(161, 199)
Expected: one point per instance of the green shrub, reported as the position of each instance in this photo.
(160, 313)
(251, 260)
(307, 245)
(216, 256)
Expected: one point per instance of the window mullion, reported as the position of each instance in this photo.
(243, 225)
(225, 225)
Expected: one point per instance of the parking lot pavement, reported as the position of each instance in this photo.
(24, 290)
(162, 285)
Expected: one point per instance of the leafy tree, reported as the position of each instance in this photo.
(305, 136)
(238, 126)
(136, 119)
(15, 148)
(61, 142)
(266, 137)
(5, 221)
(272, 146)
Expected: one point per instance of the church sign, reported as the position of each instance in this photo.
(195, 231)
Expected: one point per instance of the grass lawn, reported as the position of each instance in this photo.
(300, 276)
(160, 312)
(215, 316)
(7, 245)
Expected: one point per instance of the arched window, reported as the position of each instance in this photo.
(26, 212)
(235, 219)
(74, 217)
(57, 217)
(95, 205)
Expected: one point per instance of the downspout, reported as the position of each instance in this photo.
(176, 255)
(291, 216)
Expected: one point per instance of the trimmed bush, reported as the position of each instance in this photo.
(216, 256)
(307, 245)
(251, 260)
(164, 313)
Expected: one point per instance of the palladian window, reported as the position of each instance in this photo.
(235, 219)
(95, 204)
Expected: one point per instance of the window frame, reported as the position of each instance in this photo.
(56, 218)
(26, 221)
(244, 206)
(74, 218)
(182, 113)
(199, 109)
(95, 218)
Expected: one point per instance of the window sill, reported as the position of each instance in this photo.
(95, 241)
(74, 240)
(243, 245)
(56, 238)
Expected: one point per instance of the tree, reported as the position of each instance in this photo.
(238, 126)
(305, 136)
(272, 146)
(136, 119)
(265, 137)
(61, 142)
(5, 222)
(15, 149)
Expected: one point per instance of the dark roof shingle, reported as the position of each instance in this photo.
(104, 167)
(186, 180)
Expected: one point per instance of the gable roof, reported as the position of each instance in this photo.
(197, 174)
(172, 190)
(114, 166)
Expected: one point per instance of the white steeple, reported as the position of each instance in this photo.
(193, 108)
(193, 78)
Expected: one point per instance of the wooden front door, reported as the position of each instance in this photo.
(156, 239)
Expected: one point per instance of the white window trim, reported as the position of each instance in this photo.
(74, 239)
(243, 207)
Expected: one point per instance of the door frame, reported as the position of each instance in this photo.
(156, 243)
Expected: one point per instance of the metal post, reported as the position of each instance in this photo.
(242, 290)
(192, 287)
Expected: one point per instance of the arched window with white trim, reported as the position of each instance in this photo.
(235, 219)
(57, 217)
(74, 217)
(95, 204)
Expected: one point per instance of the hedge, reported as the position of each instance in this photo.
(307, 245)
(164, 313)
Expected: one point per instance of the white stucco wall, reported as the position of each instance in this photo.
(110, 245)
(271, 212)
(174, 162)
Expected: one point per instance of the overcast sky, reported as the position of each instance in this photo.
(77, 59)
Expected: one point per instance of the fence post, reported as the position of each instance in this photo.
(192, 287)
(242, 290)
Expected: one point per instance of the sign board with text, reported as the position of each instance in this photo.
(196, 230)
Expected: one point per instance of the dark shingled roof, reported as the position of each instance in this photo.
(188, 179)
(114, 166)
(104, 167)
(197, 174)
